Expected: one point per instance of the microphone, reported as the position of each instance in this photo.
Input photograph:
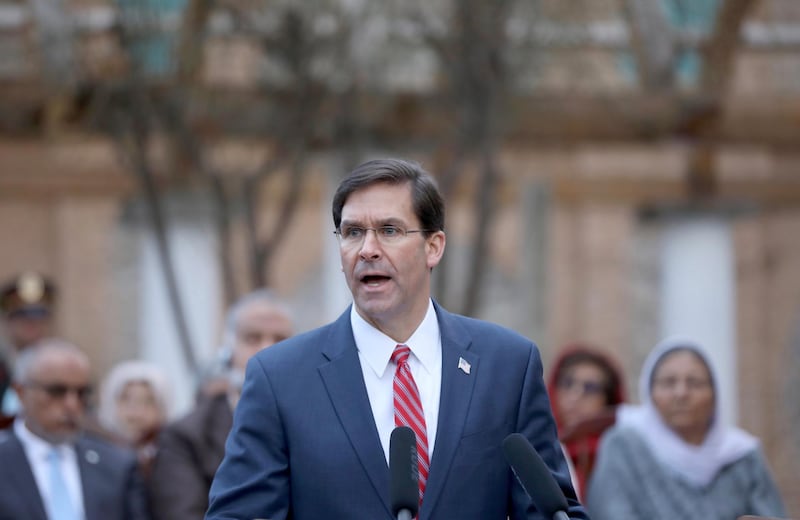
(404, 476)
(535, 477)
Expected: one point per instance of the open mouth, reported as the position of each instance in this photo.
(374, 279)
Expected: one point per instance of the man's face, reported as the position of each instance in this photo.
(390, 283)
(26, 329)
(260, 325)
(54, 397)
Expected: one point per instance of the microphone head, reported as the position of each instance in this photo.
(534, 475)
(404, 470)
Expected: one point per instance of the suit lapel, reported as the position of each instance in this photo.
(88, 460)
(23, 481)
(344, 381)
(456, 395)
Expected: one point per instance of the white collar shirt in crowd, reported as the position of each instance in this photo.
(37, 450)
(375, 351)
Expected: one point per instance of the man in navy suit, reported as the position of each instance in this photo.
(49, 469)
(311, 432)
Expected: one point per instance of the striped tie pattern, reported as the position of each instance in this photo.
(408, 410)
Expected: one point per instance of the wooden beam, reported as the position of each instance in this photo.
(35, 168)
(552, 118)
(723, 46)
(643, 191)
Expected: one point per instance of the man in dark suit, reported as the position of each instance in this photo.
(50, 470)
(311, 432)
(191, 448)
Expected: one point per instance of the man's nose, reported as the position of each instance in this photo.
(73, 401)
(371, 247)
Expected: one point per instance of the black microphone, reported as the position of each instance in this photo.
(535, 477)
(404, 473)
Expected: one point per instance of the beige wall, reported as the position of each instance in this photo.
(58, 208)
(768, 270)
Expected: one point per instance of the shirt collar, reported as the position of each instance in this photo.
(376, 348)
(35, 445)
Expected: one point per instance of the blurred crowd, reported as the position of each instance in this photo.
(67, 452)
(121, 452)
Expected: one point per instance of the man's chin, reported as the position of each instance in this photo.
(67, 436)
(370, 308)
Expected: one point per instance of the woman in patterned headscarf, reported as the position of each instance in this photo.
(585, 387)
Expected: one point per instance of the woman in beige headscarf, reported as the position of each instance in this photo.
(135, 402)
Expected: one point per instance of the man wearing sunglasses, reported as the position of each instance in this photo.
(50, 469)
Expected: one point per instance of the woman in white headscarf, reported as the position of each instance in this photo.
(135, 403)
(672, 457)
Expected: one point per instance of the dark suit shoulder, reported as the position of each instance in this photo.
(305, 349)
(308, 339)
(481, 332)
(8, 440)
(207, 414)
(106, 450)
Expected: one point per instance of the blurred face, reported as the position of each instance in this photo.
(683, 394)
(390, 283)
(260, 325)
(25, 330)
(138, 411)
(581, 393)
(55, 396)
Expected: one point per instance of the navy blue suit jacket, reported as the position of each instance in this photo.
(112, 488)
(304, 444)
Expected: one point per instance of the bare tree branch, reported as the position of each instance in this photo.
(131, 127)
(721, 49)
(652, 42)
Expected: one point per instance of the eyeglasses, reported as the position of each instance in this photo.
(585, 387)
(671, 383)
(59, 391)
(354, 236)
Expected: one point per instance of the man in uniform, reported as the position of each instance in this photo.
(26, 313)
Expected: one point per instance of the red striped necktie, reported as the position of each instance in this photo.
(408, 410)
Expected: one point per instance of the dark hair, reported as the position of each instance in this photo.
(613, 385)
(426, 199)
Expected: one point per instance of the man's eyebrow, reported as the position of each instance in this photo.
(388, 221)
(349, 223)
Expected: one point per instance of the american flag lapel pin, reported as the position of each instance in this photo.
(463, 365)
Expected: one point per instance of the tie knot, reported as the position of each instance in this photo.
(53, 455)
(400, 354)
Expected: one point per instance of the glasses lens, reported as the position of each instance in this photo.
(352, 236)
(585, 387)
(60, 391)
(592, 388)
(55, 391)
(84, 393)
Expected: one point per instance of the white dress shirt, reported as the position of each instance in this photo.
(375, 351)
(37, 450)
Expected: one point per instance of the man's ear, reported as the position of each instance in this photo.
(434, 247)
